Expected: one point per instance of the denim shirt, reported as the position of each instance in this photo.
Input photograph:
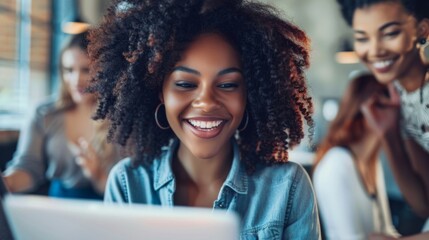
(274, 202)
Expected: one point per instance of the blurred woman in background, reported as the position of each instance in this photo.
(390, 36)
(390, 39)
(348, 177)
(62, 143)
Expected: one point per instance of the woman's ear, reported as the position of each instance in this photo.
(423, 33)
(423, 29)
(161, 97)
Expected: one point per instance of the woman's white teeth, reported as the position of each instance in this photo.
(205, 124)
(382, 64)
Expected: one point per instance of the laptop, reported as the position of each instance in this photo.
(39, 217)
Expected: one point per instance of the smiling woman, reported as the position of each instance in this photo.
(386, 43)
(210, 94)
(389, 38)
(50, 147)
(205, 97)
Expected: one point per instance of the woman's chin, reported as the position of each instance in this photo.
(384, 79)
(83, 98)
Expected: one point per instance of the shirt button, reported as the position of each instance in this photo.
(221, 205)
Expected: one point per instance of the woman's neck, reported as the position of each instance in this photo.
(365, 155)
(202, 172)
(414, 77)
(365, 149)
(86, 108)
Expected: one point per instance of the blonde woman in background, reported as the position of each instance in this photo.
(62, 143)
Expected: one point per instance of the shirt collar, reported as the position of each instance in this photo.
(163, 166)
(237, 178)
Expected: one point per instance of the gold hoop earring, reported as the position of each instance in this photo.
(245, 123)
(156, 118)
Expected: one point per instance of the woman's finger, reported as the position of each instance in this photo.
(395, 99)
(87, 150)
(369, 105)
(80, 161)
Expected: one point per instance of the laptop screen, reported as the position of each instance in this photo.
(37, 217)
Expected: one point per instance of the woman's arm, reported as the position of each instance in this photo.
(410, 166)
(421, 236)
(303, 221)
(335, 182)
(27, 168)
(92, 166)
(18, 181)
(408, 161)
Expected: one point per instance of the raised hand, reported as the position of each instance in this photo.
(89, 161)
(377, 236)
(382, 113)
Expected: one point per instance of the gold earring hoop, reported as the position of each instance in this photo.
(245, 123)
(156, 118)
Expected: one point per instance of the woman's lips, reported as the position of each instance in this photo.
(82, 91)
(382, 66)
(205, 128)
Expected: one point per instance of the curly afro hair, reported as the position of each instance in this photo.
(417, 8)
(138, 42)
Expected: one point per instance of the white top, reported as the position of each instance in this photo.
(426, 226)
(415, 118)
(347, 211)
(415, 114)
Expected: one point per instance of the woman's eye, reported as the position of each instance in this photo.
(85, 70)
(228, 86)
(186, 85)
(392, 34)
(361, 39)
(67, 70)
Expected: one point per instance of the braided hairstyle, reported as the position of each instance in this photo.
(417, 8)
(139, 42)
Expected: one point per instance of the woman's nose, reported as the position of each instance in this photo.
(376, 48)
(206, 100)
(82, 78)
(72, 78)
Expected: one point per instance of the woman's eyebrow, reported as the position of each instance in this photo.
(229, 70)
(186, 69)
(384, 26)
(195, 72)
(389, 24)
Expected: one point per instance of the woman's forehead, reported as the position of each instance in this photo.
(212, 48)
(379, 13)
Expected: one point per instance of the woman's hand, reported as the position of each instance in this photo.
(377, 236)
(88, 160)
(419, 236)
(382, 112)
(91, 165)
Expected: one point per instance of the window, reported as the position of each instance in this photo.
(25, 40)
